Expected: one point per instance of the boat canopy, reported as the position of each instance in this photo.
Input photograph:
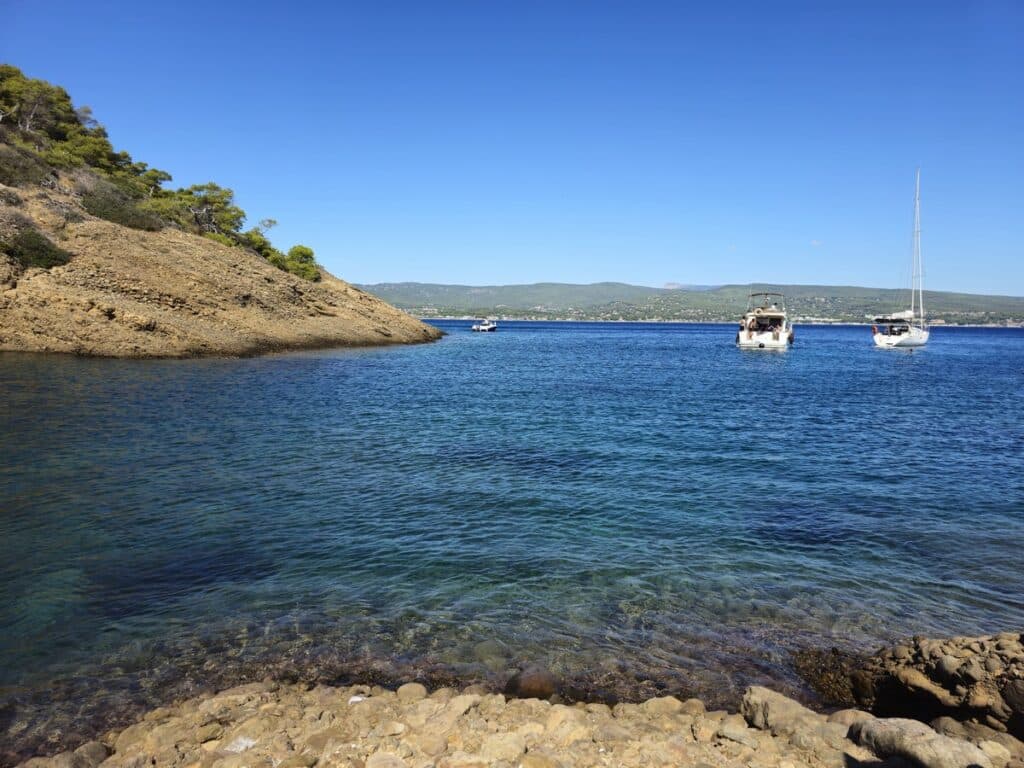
(766, 303)
(896, 317)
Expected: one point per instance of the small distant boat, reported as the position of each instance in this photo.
(485, 326)
(907, 329)
(765, 324)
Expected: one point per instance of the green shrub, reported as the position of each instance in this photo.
(42, 131)
(302, 263)
(107, 201)
(30, 248)
(256, 239)
(217, 237)
(299, 261)
(10, 197)
(19, 167)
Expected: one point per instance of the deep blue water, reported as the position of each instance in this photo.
(638, 506)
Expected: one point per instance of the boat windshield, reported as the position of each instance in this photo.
(893, 329)
(763, 323)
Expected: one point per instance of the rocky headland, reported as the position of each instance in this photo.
(100, 256)
(927, 703)
(130, 293)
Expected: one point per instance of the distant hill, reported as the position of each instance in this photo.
(621, 301)
(536, 296)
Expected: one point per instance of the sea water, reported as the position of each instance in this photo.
(641, 508)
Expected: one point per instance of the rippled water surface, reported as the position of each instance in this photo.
(639, 507)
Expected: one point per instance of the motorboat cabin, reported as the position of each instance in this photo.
(765, 324)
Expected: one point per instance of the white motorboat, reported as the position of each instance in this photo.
(907, 329)
(765, 324)
(485, 326)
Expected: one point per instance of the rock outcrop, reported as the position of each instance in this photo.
(268, 725)
(969, 687)
(916, 742)
(131, 293)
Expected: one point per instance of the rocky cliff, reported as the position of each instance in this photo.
(131, 293)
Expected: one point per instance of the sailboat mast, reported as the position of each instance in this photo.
(918, 268)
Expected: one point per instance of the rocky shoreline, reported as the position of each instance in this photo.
(298, 726)
(933, 703)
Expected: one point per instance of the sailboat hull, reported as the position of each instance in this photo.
(906, 329)
(915, 337)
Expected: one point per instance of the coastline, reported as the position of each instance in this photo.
(300, 726)
(62, 715)
(241, 352)
(796, 322)
(964, 697)
(167, 294)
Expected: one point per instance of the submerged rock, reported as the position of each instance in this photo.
(532, 682)
(829, 674)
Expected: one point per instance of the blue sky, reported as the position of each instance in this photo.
(650, 142)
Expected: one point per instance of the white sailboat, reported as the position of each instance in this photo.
(908, 328)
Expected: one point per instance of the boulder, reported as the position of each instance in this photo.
(849, 717)
(771, 711)
(693, 707)
(996, 752)
(977, 679)
(1013, 695)
(916, 742)
(664, 705)
(446, 719)
(734, 728)
(385, 760)
(976, 733)
(532, 682)
(411, 692)
(537, 760)
(502, 746)
(92, 754)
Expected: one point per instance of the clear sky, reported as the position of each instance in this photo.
(491, 142)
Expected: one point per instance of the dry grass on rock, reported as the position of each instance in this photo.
(131, 293)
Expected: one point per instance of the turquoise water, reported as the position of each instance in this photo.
(642, 508)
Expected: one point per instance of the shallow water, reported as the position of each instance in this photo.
(640, 507)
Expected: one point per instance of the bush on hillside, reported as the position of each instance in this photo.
(42, 130)
(299, 261)
(107, 201)
(30, 248)
(217, 237)
(20, 168)
(10, 197)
